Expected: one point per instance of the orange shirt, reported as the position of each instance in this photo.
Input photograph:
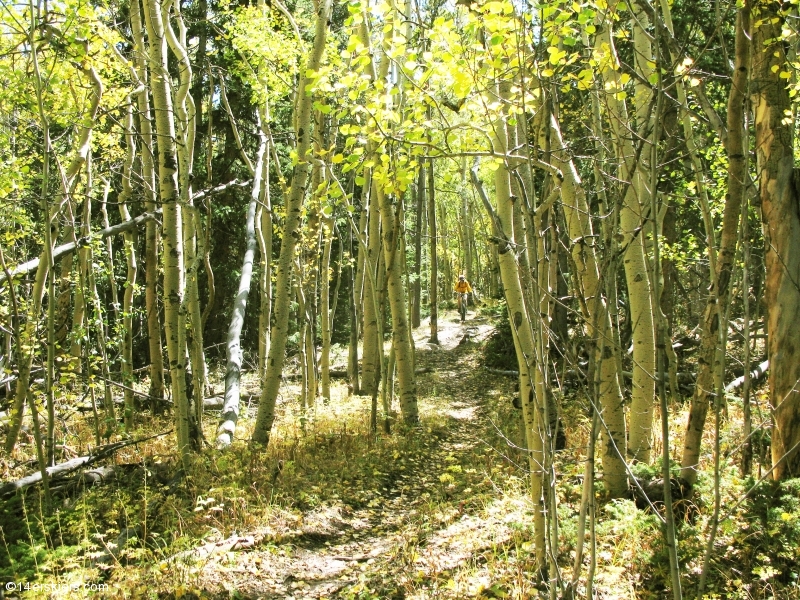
(463, 286)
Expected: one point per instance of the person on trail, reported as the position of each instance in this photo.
(462, 287)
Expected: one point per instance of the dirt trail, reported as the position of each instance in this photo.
(421, 523)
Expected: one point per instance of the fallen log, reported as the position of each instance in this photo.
(342, 373)
(11, 487)
(505, 372)
(86, 479)
(683, 377)
(756, 373)
(134, 223)
(64, 249)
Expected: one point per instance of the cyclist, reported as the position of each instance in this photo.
(462, 287)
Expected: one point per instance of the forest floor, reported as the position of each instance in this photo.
(429, 512)
(332, 510)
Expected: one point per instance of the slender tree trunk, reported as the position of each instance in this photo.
(174, 285)
(230, 408)
(149, 192)
(416, 289)
(747, 421)
(401, 335)
(633, 217)
(433, 257)
(372, 346)
(597, 318)
(779, 184)
(206, 230)
(632, 171)
(711, 352)
(326, 316)
(185, 117)
(524, 344)
(130, 278)
(264, 236)
(283, 287)
(358, 300)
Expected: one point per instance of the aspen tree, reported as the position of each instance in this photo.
(416, 285)
(264, 236)
(589, 286)
(186, 129)
(230, 408)
(433, 258)
(326, 314)
(67, 180)
(522, 335)
(778, 192)
(148, 177)
(372, 346)
(640, 429)
(174, 285)
(360, 298)
(597, 318)
(632, 171)
(390, 238)
(711, 352)
(353, 312)
(294, 201)
(132, 268)
(522, 322)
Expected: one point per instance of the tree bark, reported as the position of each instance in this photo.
(632, 172)
(433, 258)
(132, 264)
(149, 192)
(779, 193)
(710, 351)
(283, 286)
(230, 410)
(174, 285)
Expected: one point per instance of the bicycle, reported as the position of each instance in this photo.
(462, 306)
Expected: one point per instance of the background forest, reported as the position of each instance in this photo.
(229, 237)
